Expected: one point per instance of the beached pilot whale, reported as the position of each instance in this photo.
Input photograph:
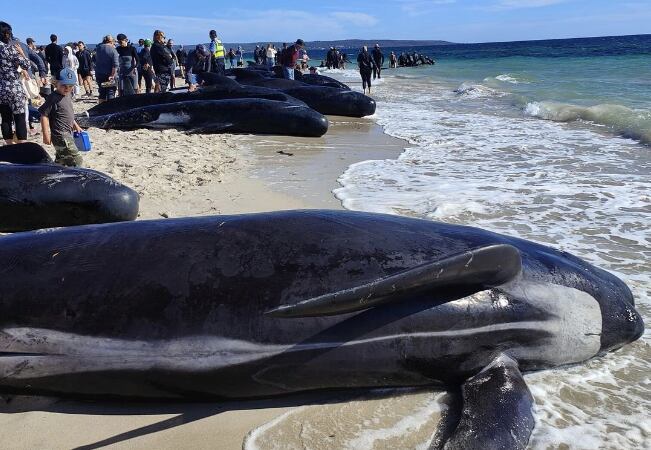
(266, 304)
(240, 115)
(36, 193)
(228, 90)
(324, 99)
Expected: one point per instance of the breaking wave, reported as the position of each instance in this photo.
(627, 122)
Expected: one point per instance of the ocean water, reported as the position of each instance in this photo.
(548, 141)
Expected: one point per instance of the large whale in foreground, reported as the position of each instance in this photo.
(241, 115)
(36, 193)
(267, 304)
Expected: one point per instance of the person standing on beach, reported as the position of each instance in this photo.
(175, 62)
(366, 67)
(218, 55)
(128, 66)
(13, 99)
(71, 62)
(378, 59)
(271, 55)
(146, 67)
(181, 56)
(231, 57)
(239, 54)
(393, 61)
(85, 65)
(54, 57)
(162, 60)
(107, 61)
(290, 56)
(58, 120)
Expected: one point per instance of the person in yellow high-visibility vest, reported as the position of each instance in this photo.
(218, 55)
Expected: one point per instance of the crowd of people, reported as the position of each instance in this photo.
(118, 67)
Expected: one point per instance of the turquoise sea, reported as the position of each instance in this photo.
(545, 140)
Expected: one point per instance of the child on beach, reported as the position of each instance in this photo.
(58, 120)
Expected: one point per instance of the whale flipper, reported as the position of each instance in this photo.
(478, 269)
(497, 410)
(24, 153)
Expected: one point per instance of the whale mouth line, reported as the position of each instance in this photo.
(15, 354)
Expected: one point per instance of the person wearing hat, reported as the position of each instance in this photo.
(128, 58)
(218, 56)
(290, 56)
(58, 120)
(197, 62)
(145, 66)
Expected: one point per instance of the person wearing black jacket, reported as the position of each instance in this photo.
(85, 66)
(378, 59)
(196, 64)
(181, 56)
(54, 57)
(162, 61)
(366, 67)
(146, 66)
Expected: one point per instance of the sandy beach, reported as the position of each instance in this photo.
(178, 175)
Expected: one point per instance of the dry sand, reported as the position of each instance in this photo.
(182, 175)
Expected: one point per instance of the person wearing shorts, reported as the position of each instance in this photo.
(58, 120)
(162, 60)
(85, 64)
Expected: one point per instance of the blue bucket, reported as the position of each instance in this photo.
(82, 141)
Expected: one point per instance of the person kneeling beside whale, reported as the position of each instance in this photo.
(58, 120)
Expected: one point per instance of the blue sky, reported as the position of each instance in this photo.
(188, 22)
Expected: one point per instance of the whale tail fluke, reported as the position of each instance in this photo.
(477, 269)
(496, 412)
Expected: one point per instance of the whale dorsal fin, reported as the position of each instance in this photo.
(479, 268)
(24, 153)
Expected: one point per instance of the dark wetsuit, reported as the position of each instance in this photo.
(378, 59)
(146, 68)
(128, 69)
(366, 67)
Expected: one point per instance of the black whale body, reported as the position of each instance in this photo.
(266, 304)
(216, 92)
(41, 194)
(241, 115)
(324, 99)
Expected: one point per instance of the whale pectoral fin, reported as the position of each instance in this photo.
(214, 128)
(496, 412)
(476, 269)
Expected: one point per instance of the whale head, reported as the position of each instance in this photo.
(621, 323)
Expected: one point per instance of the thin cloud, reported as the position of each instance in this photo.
(420, 7)
(521, 4)
(360, 19)
(256, 25)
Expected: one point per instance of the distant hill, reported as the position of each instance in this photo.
(322, 45)
(345, 43)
